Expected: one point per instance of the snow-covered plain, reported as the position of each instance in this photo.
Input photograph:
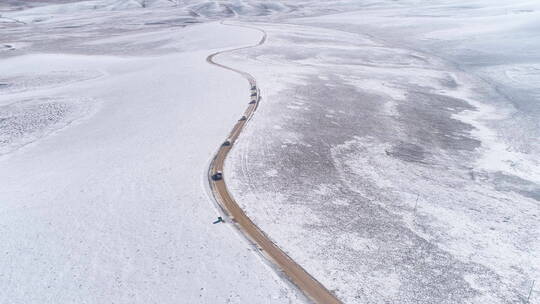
(395, 154)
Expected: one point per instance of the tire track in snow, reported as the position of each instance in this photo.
(296, 274)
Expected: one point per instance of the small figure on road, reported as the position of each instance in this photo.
(219, 220)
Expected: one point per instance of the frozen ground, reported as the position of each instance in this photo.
(395, 154)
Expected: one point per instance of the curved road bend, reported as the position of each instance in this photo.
(305, 282)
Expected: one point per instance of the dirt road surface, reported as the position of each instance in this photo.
(303, 280)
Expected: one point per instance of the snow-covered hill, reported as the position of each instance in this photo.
(109, 115)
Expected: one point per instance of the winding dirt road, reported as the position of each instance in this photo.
(305, 282)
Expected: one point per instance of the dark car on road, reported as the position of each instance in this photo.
(217, 176)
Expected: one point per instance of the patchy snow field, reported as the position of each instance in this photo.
(395, 154)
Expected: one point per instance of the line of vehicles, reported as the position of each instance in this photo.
(218, 175)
